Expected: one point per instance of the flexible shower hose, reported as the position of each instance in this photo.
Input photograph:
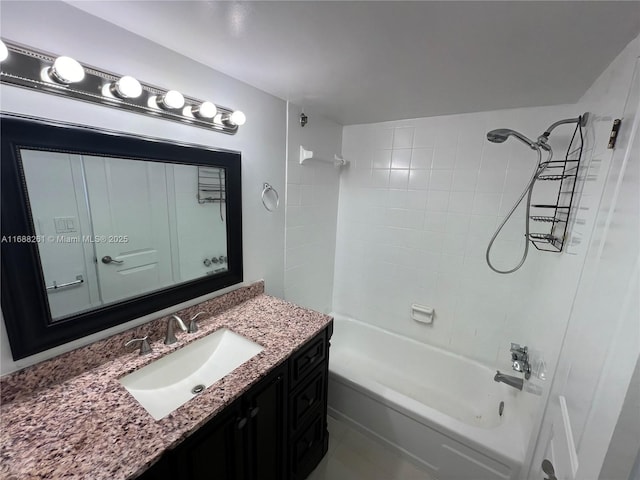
(527, 191)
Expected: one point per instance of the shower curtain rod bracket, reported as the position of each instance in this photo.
(306, 155)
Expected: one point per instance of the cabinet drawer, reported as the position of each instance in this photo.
(306, 360)
(306, 400)
(308, 449)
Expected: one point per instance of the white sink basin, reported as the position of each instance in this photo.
(167, 383)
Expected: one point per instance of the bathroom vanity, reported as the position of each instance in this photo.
(274, 431)
(71, 417)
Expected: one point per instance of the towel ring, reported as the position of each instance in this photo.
(268, 188)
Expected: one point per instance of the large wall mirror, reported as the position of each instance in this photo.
(99, 228)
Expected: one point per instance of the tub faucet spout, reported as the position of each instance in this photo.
(514, 382)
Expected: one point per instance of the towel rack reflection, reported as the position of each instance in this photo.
(79, 280)
(211, 187)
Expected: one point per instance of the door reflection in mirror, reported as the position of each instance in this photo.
(145, 218)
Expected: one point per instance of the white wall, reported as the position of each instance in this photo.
(625, 443)
(95, 42)
(602, 342)
(607, 369)
(606, 98)
(311, 205)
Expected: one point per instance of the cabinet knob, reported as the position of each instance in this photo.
(254, 411)
(241, 423)
(310, 401)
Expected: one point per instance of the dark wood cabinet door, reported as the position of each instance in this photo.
(308, 435)
(266, 407)
(308, 448)
(159, 471)
(215, 451)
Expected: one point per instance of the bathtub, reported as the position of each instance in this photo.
(436, 408)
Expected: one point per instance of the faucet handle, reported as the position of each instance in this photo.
(144, 344)
(520, 359)
(193, 326)
(518, 352)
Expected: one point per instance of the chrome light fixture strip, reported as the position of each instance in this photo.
(26, 67)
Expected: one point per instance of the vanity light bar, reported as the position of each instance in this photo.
(4, 52)
(60, 75)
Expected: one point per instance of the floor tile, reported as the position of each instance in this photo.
(354, 456)
(337, 431)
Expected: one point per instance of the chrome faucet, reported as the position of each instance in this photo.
(520, 360)
(514, 382)
(171, 334)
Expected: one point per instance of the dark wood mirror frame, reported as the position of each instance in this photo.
(25, 307)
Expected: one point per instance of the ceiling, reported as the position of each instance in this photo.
(363, 62)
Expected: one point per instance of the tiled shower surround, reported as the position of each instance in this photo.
(418, 206)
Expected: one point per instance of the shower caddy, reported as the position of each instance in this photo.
(556, 215)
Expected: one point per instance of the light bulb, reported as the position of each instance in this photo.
(66, 70)
(205, 110)
(4, 53)
(236, 118)
(171, 100)
(126, 87)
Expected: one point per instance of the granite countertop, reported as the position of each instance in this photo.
(70, 417)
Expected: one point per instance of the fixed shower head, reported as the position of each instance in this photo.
(501, 134)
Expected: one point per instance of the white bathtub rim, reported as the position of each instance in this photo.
(339, 317)
(504, 448)
(340, 363)
(441, 351)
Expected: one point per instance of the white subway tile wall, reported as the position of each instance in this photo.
(417, 209)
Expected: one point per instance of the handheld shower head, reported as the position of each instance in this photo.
(500, 135)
